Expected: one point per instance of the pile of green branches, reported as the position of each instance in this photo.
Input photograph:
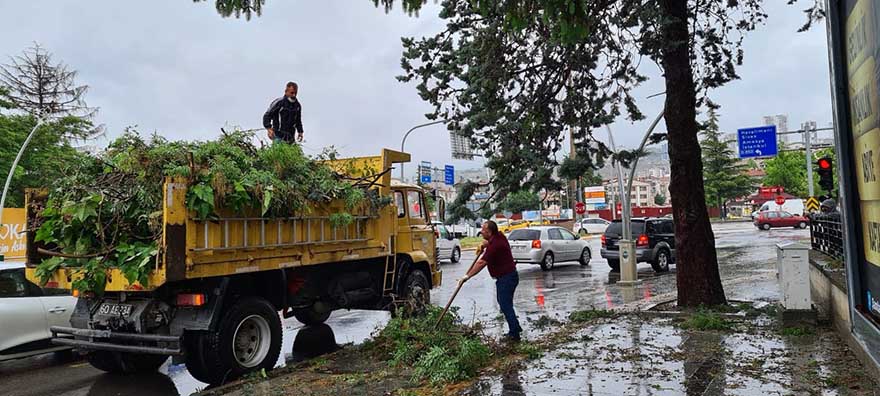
(107, 212)
(439, 353)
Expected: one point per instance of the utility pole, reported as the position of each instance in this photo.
(808, 130)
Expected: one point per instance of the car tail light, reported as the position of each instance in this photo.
(642, 241)
(190, 300)
(603, 239)
(536, 244)
(74, 293)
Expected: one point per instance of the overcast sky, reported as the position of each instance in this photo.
(178, 68)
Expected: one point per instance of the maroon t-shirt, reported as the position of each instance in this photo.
(498, 257)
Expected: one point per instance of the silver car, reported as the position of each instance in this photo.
(546, 245)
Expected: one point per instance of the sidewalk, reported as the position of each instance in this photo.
(639, 354)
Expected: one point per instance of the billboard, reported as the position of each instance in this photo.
(12, 236)
(594, 195)
(855, 49)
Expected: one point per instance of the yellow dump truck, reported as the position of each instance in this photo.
(218, 287)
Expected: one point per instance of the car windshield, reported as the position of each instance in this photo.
(524, 235)
(616, 227)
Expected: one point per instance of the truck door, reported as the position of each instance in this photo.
(421, 232)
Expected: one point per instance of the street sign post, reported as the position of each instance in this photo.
(449, 175)
(780, 200)
(757, 142)
(580, 208)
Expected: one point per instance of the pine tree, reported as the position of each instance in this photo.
(724, 177)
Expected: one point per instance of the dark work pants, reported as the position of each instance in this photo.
(505, 285)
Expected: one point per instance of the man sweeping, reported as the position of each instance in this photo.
(498, 257)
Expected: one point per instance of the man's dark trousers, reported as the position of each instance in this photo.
(505, 285)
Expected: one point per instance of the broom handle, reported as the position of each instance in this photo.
(455, 293)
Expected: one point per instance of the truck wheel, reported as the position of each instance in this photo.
(456, 255)
(416, 292)
(309, 316)
(661, 263)
(614, 264)
(248, 339)
(125, 363)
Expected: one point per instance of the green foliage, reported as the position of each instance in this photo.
(106, 212)
(520, 201)
(724, 178)
(529, 350)
(458, 209)
(706, 320)
(787, 169)
(451, 352)
(49, 157)
(797, 331)
(589, 315)
(660, 199)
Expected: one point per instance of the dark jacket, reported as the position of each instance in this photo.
(285, 117)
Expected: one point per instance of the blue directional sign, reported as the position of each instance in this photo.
(757, 142)
(425, 172)
(449, 175)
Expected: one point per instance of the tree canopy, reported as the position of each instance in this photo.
(723, 176)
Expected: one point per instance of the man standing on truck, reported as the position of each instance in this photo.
(498, 257)
(283, 120)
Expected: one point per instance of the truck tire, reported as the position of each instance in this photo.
(247, 339)
(614, 264)
(309, 316)
(125, 363)
(416, 292)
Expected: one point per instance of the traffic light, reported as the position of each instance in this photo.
(826, 175)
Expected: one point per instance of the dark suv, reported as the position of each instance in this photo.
(655, 242)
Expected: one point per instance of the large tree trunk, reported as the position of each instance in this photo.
(699, 282)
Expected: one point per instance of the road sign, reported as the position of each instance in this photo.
(425, 172)
(780, 200)
(757, 142)
(449, 175)
(580, 208)
(594, 195)
(812, 204)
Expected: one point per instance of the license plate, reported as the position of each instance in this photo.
(115, 309)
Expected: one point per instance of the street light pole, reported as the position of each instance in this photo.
(12, 169)
(628, 272)
(403, 142)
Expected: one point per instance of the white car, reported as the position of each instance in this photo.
(590, 226)
(548, 245)
(448, 247)
(26, 313)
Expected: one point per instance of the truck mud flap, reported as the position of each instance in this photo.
(106, 340)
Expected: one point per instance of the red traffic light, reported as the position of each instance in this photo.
(824, 163)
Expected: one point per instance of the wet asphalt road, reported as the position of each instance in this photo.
(746, 255)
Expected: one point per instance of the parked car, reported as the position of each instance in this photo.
(655, 242)
(775, 218)
(448, 246)
(547, 245)
(590, 226)
(26, 313)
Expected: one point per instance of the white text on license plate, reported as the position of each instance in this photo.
(115, 309)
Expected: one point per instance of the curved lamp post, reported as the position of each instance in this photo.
(12, 169)
(403, 142)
